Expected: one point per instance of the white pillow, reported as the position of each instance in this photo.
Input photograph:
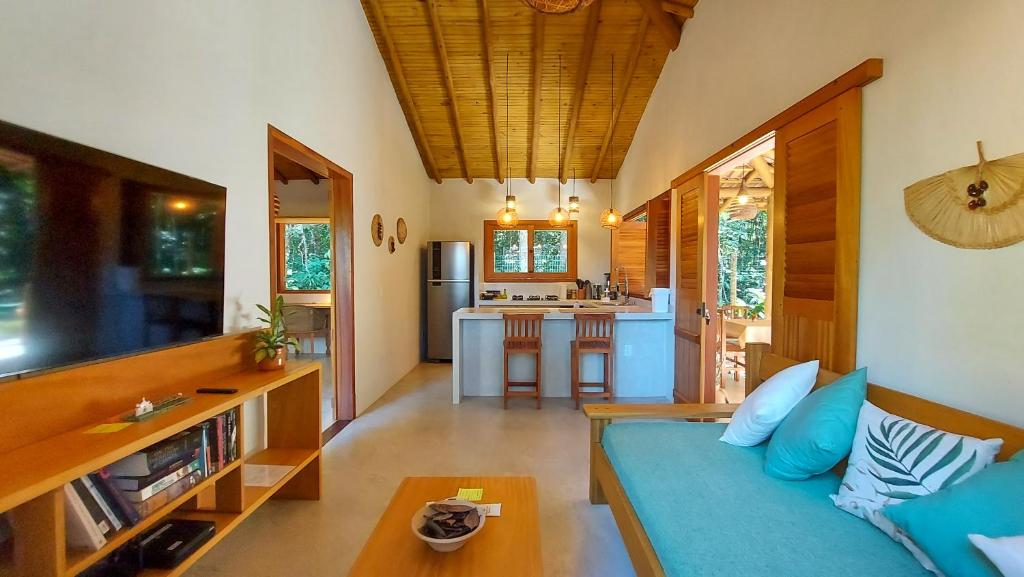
(894, 459)
(760, 414)
(1006, 553)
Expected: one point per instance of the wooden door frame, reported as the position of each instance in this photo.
(342, 265)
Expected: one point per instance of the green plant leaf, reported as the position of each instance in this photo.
(960, 471)
(898, 495)
(879, 447)
(907, 428)
(927, 450)
(946, 459)
(264, 309)
(917, 443)
(261, 354)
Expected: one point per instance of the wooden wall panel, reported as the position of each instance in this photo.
(659, 240)
(629, 251)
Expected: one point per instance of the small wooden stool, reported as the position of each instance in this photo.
(522, 337)
(594, 333)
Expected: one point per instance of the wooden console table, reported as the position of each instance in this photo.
(56, 448)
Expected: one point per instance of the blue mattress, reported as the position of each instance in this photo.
(709, 509)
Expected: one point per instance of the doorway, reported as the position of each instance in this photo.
(311, 266)
(743, 278)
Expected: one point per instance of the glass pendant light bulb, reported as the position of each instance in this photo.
(510, 201)
(742, 199)
(611, 218)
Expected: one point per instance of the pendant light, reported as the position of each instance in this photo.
(611, 218)
(557, 6)
(508, 216)
(559, 217)
(574, 201)
(742, 197)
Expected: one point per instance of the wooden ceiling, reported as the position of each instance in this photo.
(446, 59)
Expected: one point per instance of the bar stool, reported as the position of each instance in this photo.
(594, 334)
(522, 337)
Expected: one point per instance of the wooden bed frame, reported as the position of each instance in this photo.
(605, 487)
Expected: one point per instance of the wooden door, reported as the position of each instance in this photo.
(696, 290)
(816, 239)
(629, 256)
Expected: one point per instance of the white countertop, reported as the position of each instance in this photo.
(561, 310)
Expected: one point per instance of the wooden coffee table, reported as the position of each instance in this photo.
(507, 545)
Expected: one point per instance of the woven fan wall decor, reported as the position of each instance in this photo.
(979, 206)
(557, 6)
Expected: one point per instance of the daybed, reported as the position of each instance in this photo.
(687, 504)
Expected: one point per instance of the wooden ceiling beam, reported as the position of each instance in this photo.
(404, 96)
(677, 8)
(280, 176)
(669, 30)
(442, 59)
(586, 56)
(488, 36)
(763, 170)
(538, 82)
(634, 59)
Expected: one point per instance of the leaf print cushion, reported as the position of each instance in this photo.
(894, 459)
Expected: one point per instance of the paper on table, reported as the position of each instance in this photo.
(108, 428)
(265, 475)
(470, 494)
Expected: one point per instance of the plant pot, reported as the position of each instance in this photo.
(276, 362)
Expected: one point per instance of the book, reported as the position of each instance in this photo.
(108, 512)
(82, 531)
(138, 483)
(232, 422)
(165, 482)
(158, 456)
(204, 453)
(105, 483)
(147, 507)
(221, 438)
(93, 508)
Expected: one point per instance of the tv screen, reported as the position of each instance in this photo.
(100, 255)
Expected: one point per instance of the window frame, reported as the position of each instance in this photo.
(530, 226)
(280, 223)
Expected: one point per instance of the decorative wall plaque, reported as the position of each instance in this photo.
(377, 230)
(403, 231)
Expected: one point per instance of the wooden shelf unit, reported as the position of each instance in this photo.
(31, 487)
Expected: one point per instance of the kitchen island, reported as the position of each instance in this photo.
(643, 350)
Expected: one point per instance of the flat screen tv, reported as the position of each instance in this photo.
(101, 256)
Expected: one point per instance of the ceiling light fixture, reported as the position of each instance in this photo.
(611, 218)
(557, 6)
(508, 216)
(574, 201)
(559, 217)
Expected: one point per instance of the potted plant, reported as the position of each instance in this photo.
(272, 343)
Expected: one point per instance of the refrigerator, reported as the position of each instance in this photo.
(449, 288)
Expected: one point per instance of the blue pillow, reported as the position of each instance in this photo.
(989, 503)
(818, 432)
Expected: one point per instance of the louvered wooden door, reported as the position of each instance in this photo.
(817, 235)
(629, 257)
(696, 291)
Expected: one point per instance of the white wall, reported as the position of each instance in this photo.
(935, 321)
(458, 209)
(191, 85)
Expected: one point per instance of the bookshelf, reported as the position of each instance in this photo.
(36, 471)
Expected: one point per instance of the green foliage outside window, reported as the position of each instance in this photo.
(550, 251)
(748, 240)
(307, 257)
(17, 234)
(510, 251)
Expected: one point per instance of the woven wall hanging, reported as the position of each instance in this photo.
(979, 206)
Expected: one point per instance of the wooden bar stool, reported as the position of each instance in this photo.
(522, 337)
(594, 334)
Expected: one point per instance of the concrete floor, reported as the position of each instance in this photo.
(415, 430)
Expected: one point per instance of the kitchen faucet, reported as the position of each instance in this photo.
(624, 296)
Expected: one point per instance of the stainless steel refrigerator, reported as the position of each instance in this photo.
(449, 288)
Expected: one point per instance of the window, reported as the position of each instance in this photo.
(532, 251)
(304, 255)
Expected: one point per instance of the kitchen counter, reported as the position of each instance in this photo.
(644, 351)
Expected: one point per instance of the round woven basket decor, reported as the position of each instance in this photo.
(557, 6)
(940, 205)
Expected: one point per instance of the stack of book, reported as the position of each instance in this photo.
(117, 496)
